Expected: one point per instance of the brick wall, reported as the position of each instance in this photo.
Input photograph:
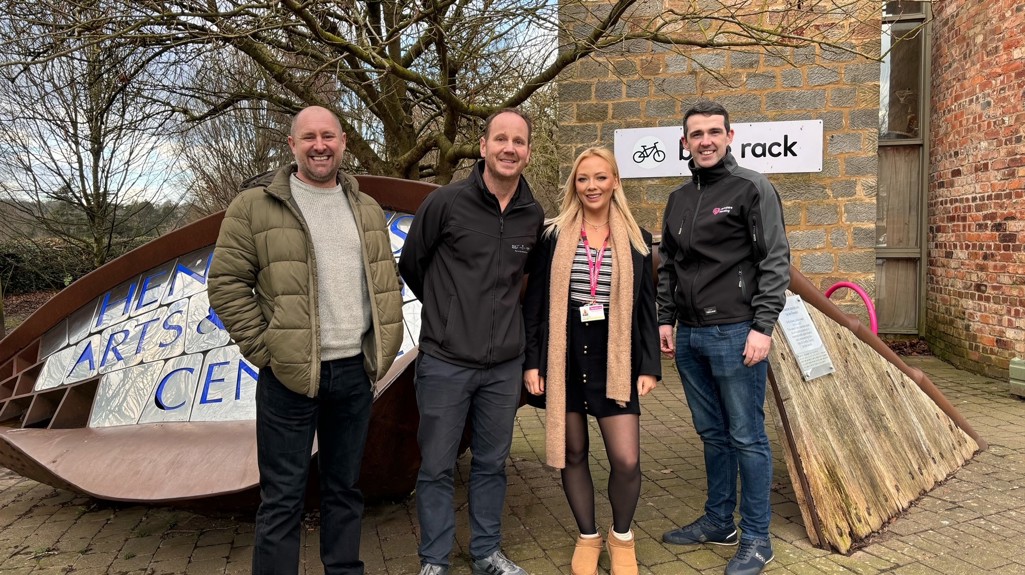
(975, 303)
(830, 215)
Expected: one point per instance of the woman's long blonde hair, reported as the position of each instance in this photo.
(571, 207)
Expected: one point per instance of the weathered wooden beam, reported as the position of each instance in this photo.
(866, 441)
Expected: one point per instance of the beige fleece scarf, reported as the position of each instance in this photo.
(620, 316)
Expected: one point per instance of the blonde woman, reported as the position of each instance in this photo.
(592, 348)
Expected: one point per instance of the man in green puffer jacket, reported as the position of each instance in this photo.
(304, 280)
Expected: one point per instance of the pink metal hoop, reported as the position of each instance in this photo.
(874, 324)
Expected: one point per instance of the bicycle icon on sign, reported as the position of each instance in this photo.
(646, 152)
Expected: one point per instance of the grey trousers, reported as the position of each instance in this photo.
(445, 395)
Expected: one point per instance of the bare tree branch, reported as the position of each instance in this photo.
(413, 81)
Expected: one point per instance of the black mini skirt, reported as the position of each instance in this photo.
(587, 358)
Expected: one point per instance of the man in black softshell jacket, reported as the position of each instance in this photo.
(725, 268)
(464, 259)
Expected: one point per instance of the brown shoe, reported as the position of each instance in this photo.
(585, 555)
(622, 556)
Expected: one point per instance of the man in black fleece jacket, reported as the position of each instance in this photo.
(464, 259)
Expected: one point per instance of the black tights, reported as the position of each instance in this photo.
(621, 434)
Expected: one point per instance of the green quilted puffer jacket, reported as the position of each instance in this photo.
(262, 273)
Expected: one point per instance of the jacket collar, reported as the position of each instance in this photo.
(281, 187)
(705, 176)
(521, 197)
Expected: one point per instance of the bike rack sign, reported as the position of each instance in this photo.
(650, 153)
(765, 147)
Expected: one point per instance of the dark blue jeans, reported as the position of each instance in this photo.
(285, 426)
(445, 394)
(726, 401)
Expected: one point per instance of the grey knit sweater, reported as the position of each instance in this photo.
(342, 298)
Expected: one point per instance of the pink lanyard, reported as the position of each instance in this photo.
(593, 265)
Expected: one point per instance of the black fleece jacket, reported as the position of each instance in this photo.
(464, 259)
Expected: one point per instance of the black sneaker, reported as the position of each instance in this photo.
(701, 531)
(751, 558)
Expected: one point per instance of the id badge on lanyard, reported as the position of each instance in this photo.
(593, 311)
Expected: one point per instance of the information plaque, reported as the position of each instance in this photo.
(812, 358)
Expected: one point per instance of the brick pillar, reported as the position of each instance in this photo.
(975, 303)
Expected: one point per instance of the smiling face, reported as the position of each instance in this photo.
(595, 183)
(317, 142)
(706, 138)
(505, 148)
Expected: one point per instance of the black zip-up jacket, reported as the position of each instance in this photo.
(724, 251)
(464, 259)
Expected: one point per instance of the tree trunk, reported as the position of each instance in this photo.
(3, 319)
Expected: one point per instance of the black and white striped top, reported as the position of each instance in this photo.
(580, 279)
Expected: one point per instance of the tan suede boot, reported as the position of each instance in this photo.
(622, 556)
(585, 556)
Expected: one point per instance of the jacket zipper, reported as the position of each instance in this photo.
(315, 319)
(754, 239)
(494, 291)
(680, 231)
(690, 242)
(375, 320)
(697, 182)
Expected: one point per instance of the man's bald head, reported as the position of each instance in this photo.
(317, 142)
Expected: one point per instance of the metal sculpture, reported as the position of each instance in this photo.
(125, 386)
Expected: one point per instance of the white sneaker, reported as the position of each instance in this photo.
(496, 564)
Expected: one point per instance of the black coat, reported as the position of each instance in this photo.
(644, 339)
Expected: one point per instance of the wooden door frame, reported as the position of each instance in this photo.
(923, 141)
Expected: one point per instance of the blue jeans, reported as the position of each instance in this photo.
(285, 426)
(445, 394)
(726, 401)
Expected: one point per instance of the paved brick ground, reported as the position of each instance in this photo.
(971, 524)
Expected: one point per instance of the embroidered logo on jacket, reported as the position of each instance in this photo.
(722, 210)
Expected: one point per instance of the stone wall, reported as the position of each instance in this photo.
(975, 303)
(830, 215)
